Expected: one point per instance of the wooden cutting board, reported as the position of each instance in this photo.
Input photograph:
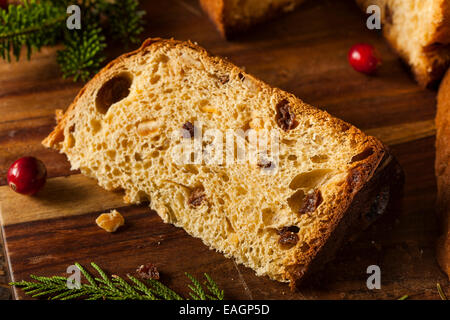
(304, 53)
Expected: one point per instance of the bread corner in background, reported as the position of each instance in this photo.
(443, 173)
(232, 17)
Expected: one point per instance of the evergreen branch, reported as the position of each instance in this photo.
(31, 24)
(113, 288)
(85, 274)
(441, 292)
(214, 288)
(125, 20)
(197, 290)
(162, 291)
(83, 53)
(138, 285)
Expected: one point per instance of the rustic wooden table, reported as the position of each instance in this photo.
(304, 53)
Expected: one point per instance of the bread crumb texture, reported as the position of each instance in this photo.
(119, 130)
(110, 221)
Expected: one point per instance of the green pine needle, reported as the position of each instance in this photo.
(37, 23)
(114, 288)
(32, 25)
(125, 20)
(82, 56)
(441, 292)
(197, 291)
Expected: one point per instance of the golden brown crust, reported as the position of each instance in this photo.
(443, 172)
(370, 153)
(219, 12)
(378, 196)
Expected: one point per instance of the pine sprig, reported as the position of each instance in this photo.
(83, 53)
(114, 288)
(125, 20)
(211, 285)
(33, 24)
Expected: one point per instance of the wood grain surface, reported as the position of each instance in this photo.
(304, 53)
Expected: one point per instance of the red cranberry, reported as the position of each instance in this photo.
(364, 58)
(27, 175)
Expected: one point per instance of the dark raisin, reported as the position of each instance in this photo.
(189, 127)
(148, 271)
(363, 155)
(224, 78)
(288, 236)
(312, 201)
(285, 117)
(196, 198)
(264, 163)
(241, 76)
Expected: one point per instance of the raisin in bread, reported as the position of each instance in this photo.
(419, 30)
(233, 16)
(282, 218)
(443, 172)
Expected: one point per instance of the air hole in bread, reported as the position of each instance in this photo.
(191, 169)
(113, 91)
(96, 126)
(111, 154)
(229, 226)
(289, 142)
(267, 216)
(143, 197)
(206, 170)
(70, 141)
(155, 154)
(155, 78)
(319, 158)
(309, 180)
(363, 155)
(207, 108)
(296, 201)
(241, 191)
